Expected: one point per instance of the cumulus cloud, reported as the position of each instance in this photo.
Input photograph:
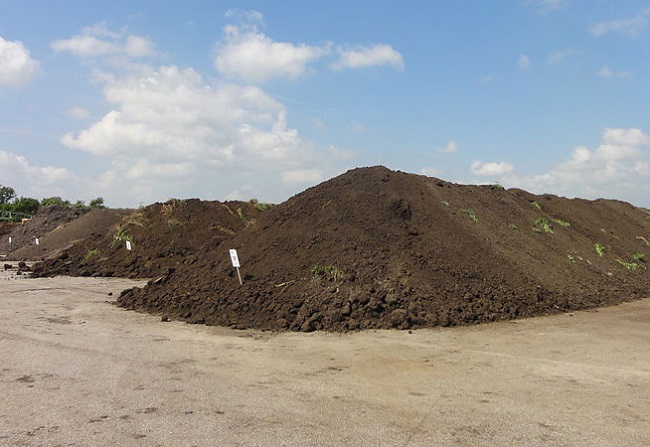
(98, 40)
(17, 67)
(249, 55)
(492, 169)
(169, 127)
(17, 171)
(524, 62)
(370, 56)
(618, 167)
(631, 26)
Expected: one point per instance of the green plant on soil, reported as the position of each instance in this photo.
(91, 254)
(542, 224)
(512, 226)
(471, 214)
(260, 206)
(628, 265)
(327, 271)
(121, 235)
(537, 205)
(498, 185)
(600, 249)
(639, 257)
(562, 223)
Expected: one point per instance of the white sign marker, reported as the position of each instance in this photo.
(37, 242)
(235, 263)
(128, 245)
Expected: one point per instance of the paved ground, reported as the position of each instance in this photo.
(77, 371)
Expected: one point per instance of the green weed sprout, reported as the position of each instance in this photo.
(600, 249)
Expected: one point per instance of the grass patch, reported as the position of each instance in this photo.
(542, 224)
(260, 206)
(562, 223)
(91, 254)
(537, 205)
(512, 226)
(600, 249)
(639, 257)
(628, 265)
(327, 271)
(471, 214)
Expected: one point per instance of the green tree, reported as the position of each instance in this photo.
(7, 194)
(25, 205)
(96, 203)
(54, 201)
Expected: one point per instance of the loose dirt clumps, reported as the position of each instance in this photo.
(374, 248)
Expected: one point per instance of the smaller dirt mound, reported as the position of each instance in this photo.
(23, 236)
(161, 236)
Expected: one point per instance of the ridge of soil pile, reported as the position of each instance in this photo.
(23, 235)
(161, 235)
(374, 248)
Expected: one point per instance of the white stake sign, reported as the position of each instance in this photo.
(235, 263)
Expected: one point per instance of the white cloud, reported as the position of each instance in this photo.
(450, 148)
(618, 168)
(608, 73)
(28, 179)
(17, 67)
(302, 176)
(524, 62)
(493, 169)
(361, 57)
(251, 56)
(169, 130)
(98, 40)
(631, 26)
(431, 172)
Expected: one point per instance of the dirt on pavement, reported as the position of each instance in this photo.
(78, 371)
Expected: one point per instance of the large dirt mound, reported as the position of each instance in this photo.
(375, 248)
(23, 235)
(160, 235)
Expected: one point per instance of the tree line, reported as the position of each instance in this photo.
(10, 202)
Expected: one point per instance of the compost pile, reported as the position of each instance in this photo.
(23, 235)
(374, 248)
(160, 235)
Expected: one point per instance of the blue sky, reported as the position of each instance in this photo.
(141, 101)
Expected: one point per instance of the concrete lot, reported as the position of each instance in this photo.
(77, 371)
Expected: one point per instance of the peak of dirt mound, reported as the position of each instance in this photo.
(161, 236)
(374, 248)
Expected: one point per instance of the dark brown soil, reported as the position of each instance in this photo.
(162, 235)
(375, 248)
(372, 248)
(23, 235)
